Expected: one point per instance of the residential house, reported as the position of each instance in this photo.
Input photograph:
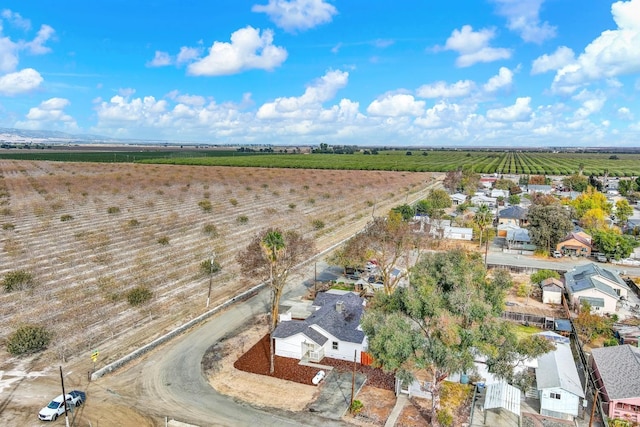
(600, 287)
(487, 182)
(442, 229)
(519, 240)
(539, 188)
(515, 215)
(458, 199)
(332, 330)
(617, 373)
(503, 229)
(576, 244)
(480, 199)
(552, 290)
(496, 192)
(501, 404)
(558, 383)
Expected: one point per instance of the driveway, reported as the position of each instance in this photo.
(335, 394)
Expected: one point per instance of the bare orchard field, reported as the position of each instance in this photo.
(90, 232)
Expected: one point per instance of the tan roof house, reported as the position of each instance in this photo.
(576, 244)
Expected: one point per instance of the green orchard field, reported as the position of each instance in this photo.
(502, 162)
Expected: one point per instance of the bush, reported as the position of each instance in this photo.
(208, 267)
(8, 226)
(66, 217)
(356, 407)
(28, 339)
(242, 219)
(138, 296)
(318, 224)
(233, 202)
(205, 205)
(164, 240)
(113, 210)
(134, 222)
(16, 280)
(210, 229)
(445, 418)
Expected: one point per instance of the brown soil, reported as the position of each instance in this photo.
(256, 361)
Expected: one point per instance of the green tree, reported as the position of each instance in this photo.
(28, 339)
(623, 210)
(575, 182)
(627, 186)
(614, 244)
(514, 199)
(503, 184)
(483, 218)
(407, 212)
(590, 325)
(541, 275)
(271, 255)
(548, 224)
(439, 322)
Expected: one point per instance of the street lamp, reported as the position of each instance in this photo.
(210, 277)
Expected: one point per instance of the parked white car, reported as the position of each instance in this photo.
(55, 408)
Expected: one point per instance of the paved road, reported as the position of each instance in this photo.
(169, 381)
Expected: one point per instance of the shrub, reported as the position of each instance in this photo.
(311, 200)
(8, 226)
(66, 217)
(242, 219)
(445, 418)
(292, 206)
(113, 210)
(523, 290)
(210, 229)
(233, 202)
(205, 205)
(208, 267)
(164, 240)
(28, 339)
(18, 279)
(134, 222)
(206, 195)
(356, 407)
(138, 296)
(318, 224)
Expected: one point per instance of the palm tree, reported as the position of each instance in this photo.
(273, 246)
(482, 218)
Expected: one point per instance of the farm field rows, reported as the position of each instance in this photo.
(90, 232)
(503, 162)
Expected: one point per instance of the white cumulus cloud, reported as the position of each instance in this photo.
(16, 19)
(19, 82)
(625, 113)
(322, 90)
(502, 80)
(441, 89)
(591, 102)
(160, 59)
(297, 15)
(36, 46)
(396, 105)
(613, 53)
(247, 50)
(523, 17)
(518, 112)
(558, 59)
(473, 46)
(49, 114)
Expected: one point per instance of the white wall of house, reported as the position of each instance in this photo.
(566, 406)
(619, 289)
(609, 301)
(458, 233)
(345, 350)
(290, 346)
(549, 297)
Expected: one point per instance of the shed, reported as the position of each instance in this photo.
(552, 291)
(501, 402)
(558, 383)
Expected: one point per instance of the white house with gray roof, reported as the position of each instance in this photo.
(600, 287)
(558, 383)
(332, 330)
(617, 372)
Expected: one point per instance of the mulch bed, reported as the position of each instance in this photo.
(256, 361)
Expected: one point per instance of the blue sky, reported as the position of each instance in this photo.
(302, 72)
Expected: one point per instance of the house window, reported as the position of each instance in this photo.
(334, 345)
(555, 395)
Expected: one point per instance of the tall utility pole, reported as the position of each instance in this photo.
(210, 276)
(64, 399)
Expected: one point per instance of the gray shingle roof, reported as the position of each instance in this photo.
(557, 369)
(514, 212)
(590, 276)
(619, 368)
(341, 324)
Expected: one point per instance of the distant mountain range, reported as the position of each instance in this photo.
(48, 136)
